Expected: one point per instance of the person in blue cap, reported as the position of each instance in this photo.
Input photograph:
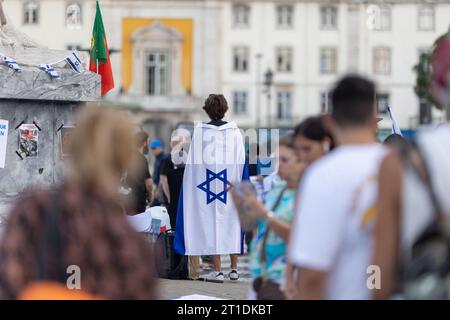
(157, 148)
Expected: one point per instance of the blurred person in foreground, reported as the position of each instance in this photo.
(274, 216)
(414, 206)
(312, 140)
(331, 234)
(138, 178)
(79, 224)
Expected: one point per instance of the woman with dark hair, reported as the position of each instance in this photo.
(312, 139)
(207, 222)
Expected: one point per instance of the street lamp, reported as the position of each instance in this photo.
(268, 82)
(258, 90)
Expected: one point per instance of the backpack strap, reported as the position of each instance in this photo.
(266, 232)
(422, 170)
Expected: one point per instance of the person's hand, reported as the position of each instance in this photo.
(249, 200)
(256, 206)
(244, 198)
(237, 199)
(290, 288)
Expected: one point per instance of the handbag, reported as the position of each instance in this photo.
(265, 288)
(427, 273)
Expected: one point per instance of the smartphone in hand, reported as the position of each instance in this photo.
(244, 188)
(247, 219)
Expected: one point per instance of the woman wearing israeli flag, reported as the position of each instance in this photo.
(207, 222)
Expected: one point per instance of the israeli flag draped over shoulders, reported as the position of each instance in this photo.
(207, 221)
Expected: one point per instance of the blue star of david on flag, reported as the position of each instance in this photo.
(206, 186)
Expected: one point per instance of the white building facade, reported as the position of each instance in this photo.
(167, 56)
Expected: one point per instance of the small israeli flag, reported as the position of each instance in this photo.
(11, 63)
(50, 70)
(74, 62)
(395, 127)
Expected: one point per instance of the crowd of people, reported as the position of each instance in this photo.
(347, 216)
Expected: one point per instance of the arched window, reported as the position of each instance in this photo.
(31, 13)
(73, 16)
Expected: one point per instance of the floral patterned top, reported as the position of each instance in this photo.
(276, 247)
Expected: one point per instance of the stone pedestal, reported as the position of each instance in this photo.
(32, 96)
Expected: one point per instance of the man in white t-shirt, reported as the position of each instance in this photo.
(331, 240)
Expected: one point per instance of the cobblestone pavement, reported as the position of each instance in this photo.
(173, 289)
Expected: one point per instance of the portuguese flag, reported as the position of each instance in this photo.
(100, 62)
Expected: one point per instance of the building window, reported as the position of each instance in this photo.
(426, 18)
(284, 105)
(31, 13)
(157, 73)
(425, 51)
(382, 61)
(240, 59)
(328, 17)
(328, 60)
(241, 16)
(284, 16)
(325, 102)
(382, 102)
(384, 20)
(73, 16)
(240, 102)
(284, 59)
(425, 113)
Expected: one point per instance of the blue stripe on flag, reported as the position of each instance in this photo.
(245, 177)
(76, 57)
(71, 65)
(178, 242)
(245, 172)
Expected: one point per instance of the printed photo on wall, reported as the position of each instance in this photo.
(64, 134)
(28, 140)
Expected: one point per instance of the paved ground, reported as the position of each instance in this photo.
(230, 290)
(172, 289)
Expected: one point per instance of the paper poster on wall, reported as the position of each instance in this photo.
(65, 136)
(28, 140)
(3, 141)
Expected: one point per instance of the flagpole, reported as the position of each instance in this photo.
(98, 6)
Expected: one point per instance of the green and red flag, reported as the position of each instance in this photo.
(100, 62)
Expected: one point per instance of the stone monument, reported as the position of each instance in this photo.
(32, 96)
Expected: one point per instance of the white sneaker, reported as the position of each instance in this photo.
(233, 275)
(215, 277)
